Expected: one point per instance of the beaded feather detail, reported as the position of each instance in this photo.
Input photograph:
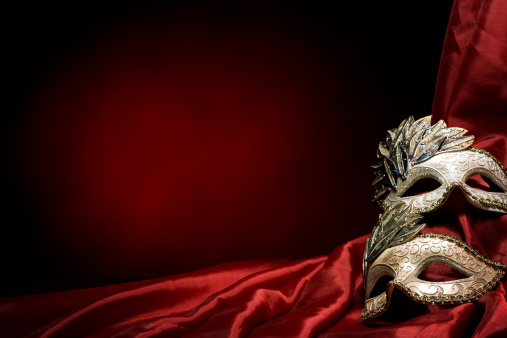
(411, 143)
(396, 226)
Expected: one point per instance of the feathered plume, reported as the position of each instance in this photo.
(412, 143)
(396, 226)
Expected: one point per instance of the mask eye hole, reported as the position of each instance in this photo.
(422, 186)
(380, 285)
(483, 183)
(440, 273)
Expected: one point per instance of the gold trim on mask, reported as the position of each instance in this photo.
(405, 262)
(414, 151)
(451, 170)
(413, 142)
(417, 149)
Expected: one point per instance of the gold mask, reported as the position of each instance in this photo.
(417, 150)
(396, 248)
(405, 262)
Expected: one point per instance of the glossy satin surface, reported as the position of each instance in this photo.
(322, 295)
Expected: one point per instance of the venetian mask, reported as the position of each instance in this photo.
(417, 150)
(396, 248)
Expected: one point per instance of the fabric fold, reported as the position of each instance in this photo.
(321, 295)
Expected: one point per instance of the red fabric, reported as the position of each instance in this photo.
(322, 295)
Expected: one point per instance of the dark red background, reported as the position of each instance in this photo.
(147, 140)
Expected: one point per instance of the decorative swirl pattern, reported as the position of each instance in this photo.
(410, 259)
(453, 170)
(414, 151)
(435, 249)
(374, 306)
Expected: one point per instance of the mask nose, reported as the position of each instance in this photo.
(456, 200)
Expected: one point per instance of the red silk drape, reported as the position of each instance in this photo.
(321, 295)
